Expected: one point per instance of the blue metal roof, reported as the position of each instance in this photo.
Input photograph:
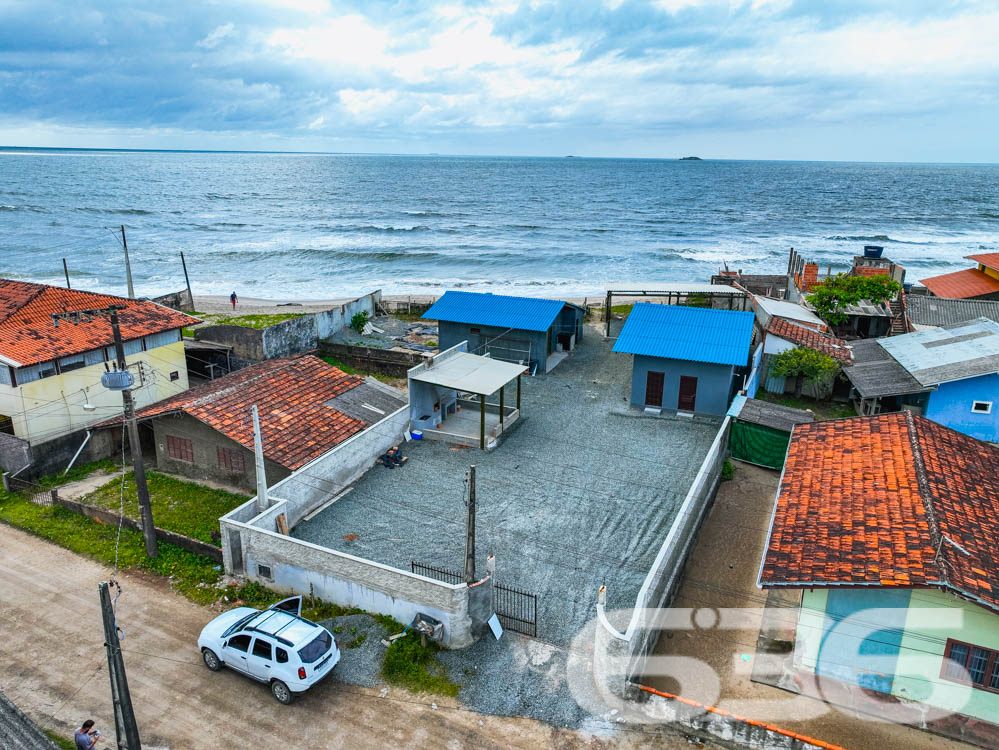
(500, 310)
(698, 334)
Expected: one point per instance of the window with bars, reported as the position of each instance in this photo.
(231, 460)
(971, 665)
(181, 449)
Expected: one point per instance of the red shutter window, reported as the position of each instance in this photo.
(181, 449)
(231, 460)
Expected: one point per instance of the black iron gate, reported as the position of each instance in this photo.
(517, 609)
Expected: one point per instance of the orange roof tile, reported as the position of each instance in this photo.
(28, 336)
(809, 337)
(990, 260)
(296, 425)
(870, 501)
(962, 284)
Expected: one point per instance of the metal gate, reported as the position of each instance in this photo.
(517, 609)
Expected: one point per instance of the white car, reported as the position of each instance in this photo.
(276, 646)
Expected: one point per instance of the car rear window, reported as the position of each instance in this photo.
(316, 648)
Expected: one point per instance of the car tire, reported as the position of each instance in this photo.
(281, 692)
(211, 659)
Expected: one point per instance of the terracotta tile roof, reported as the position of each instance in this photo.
(809, 337)
(990, 260)
(962, 284)
(27, 335)
(296, 425)
(871, 500)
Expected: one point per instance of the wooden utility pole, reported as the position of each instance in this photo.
(138, 465)
(607, 312)
(187, 279)
(125, 728)
(65, 270)
(128, 266)
(470, 528)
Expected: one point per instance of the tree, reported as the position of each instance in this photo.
(841, 290)
(803, 364)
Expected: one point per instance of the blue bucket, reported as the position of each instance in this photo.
(416, 434)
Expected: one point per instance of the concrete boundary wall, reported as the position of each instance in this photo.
(290, 336)
(322, 479)
(300, 567)
(251, 540)
(718, 726)
(622, 656)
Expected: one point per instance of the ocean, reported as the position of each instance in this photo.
(320, 226)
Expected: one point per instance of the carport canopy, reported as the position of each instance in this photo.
(470, 373)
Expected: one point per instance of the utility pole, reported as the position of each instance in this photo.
(124, 717)
(65, 270)
(187, 278)
(128, 266)
(138, 465)
(470, 529)
(258, 457)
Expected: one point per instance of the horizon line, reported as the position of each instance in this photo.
(10, 149)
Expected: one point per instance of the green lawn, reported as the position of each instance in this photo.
(183, 507)
(822, 409)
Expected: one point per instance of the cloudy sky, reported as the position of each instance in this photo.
(911, 80)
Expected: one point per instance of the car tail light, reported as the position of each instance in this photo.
(301, 673)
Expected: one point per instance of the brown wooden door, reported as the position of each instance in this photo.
(687, 397)
(654, 382)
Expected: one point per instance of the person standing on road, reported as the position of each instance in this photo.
(232, 298)
(86, 736)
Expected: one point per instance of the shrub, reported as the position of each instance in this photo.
(359, 320)
(839, 291)
(803, 364)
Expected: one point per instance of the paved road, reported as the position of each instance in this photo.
(55, 669)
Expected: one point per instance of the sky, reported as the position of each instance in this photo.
(862, 80)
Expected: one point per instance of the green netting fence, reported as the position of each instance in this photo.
(756, 444)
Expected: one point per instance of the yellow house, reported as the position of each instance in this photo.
(50, 377)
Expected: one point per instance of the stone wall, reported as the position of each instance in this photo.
(53, 456)
(384, 361)
(15, 454)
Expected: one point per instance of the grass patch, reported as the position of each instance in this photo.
(410, 664)
(78, 472)
(245, 321)
(183, 507)
(351, 370)
(823, 410)
(59, 740)
(728, 471)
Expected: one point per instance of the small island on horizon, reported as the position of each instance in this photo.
(691, 158)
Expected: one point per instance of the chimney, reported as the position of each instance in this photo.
(811, 274)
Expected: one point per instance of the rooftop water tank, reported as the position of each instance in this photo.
(873, 251)
(117, 380)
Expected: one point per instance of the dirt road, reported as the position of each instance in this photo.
(55, 669)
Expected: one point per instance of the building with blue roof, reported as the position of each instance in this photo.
(686, 358)
(948, 373)
(538, 333)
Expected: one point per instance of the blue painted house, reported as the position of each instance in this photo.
(685, 357)
(538, 333)
(958, 366)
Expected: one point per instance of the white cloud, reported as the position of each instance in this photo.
(217, 36)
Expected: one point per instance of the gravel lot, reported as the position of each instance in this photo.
(579, 494)
(575, 497)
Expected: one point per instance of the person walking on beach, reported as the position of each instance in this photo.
(233, 299)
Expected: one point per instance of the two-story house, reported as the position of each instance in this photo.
(50, 377)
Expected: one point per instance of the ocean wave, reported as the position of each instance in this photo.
(115, 211)
(861, 238)
(33, 209)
